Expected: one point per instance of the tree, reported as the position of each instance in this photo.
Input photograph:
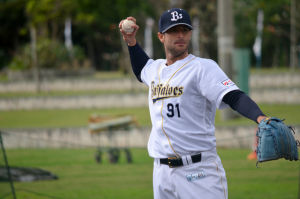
(206, 11)
(96, 27)
(276, 36)
(13, 31)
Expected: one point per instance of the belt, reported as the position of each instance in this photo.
(177, 162)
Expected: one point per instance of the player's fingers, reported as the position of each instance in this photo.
(135, 27)
(125, 35)
(132, 19)
(120, 24)
(132, 34)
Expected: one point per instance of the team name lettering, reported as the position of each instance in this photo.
(175, 16)
(160, 91)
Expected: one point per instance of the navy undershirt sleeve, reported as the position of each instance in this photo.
(138, 59)
(243, 104)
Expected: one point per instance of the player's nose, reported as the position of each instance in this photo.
(180, 33)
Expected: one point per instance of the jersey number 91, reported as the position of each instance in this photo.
(172, 110)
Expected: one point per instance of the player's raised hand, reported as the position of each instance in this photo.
(128, 29)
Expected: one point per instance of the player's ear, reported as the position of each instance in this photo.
(160, 37)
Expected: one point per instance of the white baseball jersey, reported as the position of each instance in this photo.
(183, 99)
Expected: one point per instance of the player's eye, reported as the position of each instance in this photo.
(172, 30)
(185, 29)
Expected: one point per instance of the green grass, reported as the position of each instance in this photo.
(79, 117)
(110, 75)
(103, 75)
(81, 177)
(274, 179)
(64, 118)
(274, 70)
(11, 95)
(289, 112)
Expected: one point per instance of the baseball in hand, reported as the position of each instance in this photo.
(127, 26)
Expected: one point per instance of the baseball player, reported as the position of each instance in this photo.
(184, 93)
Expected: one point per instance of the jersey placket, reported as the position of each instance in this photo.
(161, 76)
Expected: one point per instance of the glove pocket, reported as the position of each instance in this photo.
(285, 141)
(267, 146)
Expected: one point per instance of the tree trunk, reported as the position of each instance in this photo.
(293, 37)
(34, 61)
(225, 44)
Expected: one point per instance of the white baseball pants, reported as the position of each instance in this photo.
(201, 180)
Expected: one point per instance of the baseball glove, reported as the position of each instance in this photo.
(275, 141)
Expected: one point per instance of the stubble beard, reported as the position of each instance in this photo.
(177, 53)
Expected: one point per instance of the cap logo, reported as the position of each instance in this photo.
(176, 16)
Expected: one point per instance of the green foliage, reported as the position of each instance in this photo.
(20, 62)
(13, 21)
(95, 27)
(206, 11)
(40, 12)
(50, 53)
(275, 37)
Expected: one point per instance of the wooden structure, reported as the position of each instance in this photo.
(105, 124)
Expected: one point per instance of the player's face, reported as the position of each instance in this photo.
(176, 40)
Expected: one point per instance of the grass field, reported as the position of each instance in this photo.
(80, 177)
(12, 95)
(79, 117)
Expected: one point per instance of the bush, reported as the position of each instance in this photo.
(51, 54)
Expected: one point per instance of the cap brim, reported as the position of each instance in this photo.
(173, 25)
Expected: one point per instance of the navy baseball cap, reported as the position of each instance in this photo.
(174, 17)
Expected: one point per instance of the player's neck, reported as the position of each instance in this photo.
(172, 59)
